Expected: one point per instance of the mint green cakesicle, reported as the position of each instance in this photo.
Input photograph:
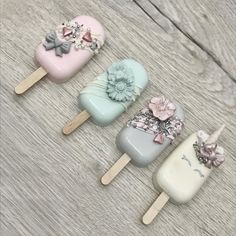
(110, 94)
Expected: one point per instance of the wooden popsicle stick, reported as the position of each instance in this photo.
(155, 208)
(30, 80)
(76, 122)
(115, 169)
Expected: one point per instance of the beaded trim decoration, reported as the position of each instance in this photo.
(159, 119)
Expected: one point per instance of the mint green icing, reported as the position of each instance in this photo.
(103, 103)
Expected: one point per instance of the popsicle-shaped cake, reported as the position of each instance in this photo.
(65, 50)
(183, 173)
(110, 94)
(146, 135)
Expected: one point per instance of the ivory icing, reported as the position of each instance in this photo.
(181, 175)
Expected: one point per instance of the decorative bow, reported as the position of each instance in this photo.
(208, 154)
(53, 42)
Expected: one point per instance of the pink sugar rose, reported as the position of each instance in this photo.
(162, 108)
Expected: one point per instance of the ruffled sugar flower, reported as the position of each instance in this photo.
(162, 108)
(120, 84)
(209, 154)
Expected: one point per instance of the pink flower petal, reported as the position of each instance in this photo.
(155, 100)
(171, 106)
(162, 108)
(152, 106)
(208, 164)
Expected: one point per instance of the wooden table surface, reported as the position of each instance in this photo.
(50, 182)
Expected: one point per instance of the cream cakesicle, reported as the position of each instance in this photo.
(110, 94)
(183, 173)
(65, 51)
(146, 135)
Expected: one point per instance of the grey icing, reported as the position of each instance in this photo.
(140, 146)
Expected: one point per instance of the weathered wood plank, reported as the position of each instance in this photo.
(156, 12)
(211, 24)
(50, 183)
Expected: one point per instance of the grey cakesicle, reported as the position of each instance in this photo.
(139, 145)
(146, 135)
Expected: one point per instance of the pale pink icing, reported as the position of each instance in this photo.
(60, 69)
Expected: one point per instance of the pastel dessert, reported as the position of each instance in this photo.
(110, 94)
(65, 50)
(184, 172)
(145, 136)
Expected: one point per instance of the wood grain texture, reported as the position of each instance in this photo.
(32, 79)
(155, 208)
(50, 183)
(115, 169)
(210, 24)
(76, 122)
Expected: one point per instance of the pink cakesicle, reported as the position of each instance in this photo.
(65, 51)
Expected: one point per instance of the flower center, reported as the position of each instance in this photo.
(119, 74)
(120, 86)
